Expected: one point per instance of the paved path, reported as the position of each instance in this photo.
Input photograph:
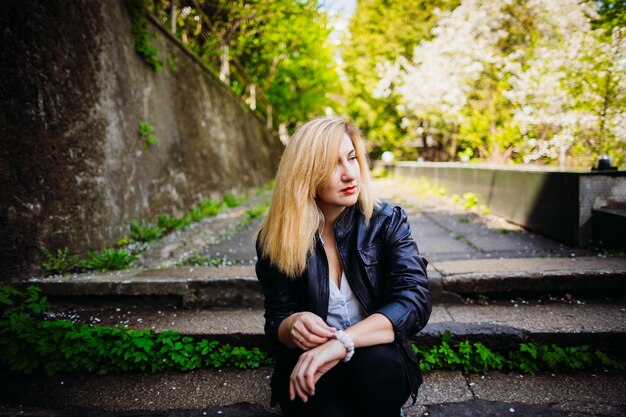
(444, 393)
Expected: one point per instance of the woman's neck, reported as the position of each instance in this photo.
(330, 217)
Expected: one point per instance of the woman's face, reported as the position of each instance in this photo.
(342, 189)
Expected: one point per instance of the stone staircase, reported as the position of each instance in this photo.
(491, 282)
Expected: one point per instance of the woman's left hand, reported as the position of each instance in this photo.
(312, 365)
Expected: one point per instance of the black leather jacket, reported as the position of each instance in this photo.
(385, 271)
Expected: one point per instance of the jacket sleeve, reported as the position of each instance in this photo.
(280, 299)
(405, 294)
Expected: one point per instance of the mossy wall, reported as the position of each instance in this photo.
(73, 168)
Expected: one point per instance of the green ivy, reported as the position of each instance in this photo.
(29, 344)
(139, 22)
(530, 358)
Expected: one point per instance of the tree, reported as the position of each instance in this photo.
(275, 49)
(381, 31)
(506, 81)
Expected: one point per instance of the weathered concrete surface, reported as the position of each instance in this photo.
(221, 236)
(242, 409)
(498, 326)
(73, 169)
(189, 286)
(533, 274)
(444, 393)
(237, 285)
(128, 392)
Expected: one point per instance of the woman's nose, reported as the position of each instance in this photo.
(347, 173)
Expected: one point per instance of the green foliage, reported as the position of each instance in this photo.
(255, 212)
(530, 358)
(231, 200)
(379, 172)
(210, 207)
(144, 130)
(29, 344)
(109, 259)
(61, 263)
(382, 31)
(470, 200)
(105, 260)
(280, 46)
(171, 62)
(139, 22)
(204, 260)
(612, 14)
(144, 232)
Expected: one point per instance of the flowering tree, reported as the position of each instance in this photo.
(505, 80)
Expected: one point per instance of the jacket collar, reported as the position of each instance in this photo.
(345, 221)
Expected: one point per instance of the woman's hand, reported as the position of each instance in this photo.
(311, 366)
(304, 330)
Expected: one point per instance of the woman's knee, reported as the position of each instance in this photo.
(383, 358)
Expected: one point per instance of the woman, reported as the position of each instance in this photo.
(344, 284)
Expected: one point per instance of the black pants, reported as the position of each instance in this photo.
(373, 383)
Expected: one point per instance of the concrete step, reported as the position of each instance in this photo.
(531, 275)
(215, 287)
(500, 325)
(451, 281)
(229, 392)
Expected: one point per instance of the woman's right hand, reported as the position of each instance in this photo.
(304, 330)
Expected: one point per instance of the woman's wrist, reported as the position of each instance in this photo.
(345, 339)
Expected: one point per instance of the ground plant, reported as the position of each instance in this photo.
(30, 343)
(61, 263)
(145, 129)
(143, 231)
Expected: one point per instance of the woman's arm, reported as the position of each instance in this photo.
(284, 324)
(373, 330)
(405, 296)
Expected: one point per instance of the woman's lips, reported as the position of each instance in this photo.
(349, 190)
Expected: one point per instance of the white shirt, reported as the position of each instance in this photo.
(344, 309)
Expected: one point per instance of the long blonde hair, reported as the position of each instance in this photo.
(288, 232)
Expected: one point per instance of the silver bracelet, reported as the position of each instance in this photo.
(346, 341)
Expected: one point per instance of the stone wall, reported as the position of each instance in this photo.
(73, 168)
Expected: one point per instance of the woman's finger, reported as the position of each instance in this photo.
(318, 329)
(300, 340)
(299, 376)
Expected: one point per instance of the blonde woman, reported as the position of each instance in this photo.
(344, 284)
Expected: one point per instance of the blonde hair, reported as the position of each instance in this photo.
(288, 232)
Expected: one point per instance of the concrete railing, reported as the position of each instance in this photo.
(554, 202)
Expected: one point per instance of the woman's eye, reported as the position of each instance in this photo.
(352, 158)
